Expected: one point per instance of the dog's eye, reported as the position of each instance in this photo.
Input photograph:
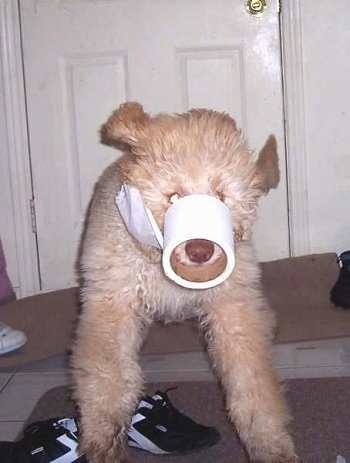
(174, 198)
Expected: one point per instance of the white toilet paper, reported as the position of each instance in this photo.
(198, 216)
(137, 218)
(192, 217)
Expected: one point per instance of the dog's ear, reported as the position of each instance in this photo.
(126, 127)
(267, 165)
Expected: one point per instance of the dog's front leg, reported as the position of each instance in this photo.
(107, 376)
(239, 342)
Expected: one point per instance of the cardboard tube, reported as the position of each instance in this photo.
(205, 217)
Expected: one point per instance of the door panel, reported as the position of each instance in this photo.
(84, 58)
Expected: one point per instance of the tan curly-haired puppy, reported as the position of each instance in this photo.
(124, 287)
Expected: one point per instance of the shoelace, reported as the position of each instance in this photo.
(44, 431)
(40, 439)
(4, 329)
(163, 412)
(42, 427)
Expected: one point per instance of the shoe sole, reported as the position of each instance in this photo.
(143, 443)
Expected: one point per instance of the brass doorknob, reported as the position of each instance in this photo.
(256, 7)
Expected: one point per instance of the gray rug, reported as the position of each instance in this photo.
(321, 426)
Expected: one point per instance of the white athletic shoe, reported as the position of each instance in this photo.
(10, 339)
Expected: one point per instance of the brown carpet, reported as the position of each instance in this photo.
(297, 288)
(321, 426)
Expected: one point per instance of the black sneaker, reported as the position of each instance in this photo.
(340, 293)
(159, 428)
(52, 441)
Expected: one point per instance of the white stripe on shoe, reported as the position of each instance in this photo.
(70, 456)
(141, 442)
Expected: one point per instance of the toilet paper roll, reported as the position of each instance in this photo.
(204, 217)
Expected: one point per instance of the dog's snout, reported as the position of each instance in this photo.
(199, 251)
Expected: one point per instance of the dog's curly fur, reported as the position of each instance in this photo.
(124, 288)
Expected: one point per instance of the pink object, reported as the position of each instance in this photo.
(6, 290)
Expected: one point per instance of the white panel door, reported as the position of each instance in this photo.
(82, 58)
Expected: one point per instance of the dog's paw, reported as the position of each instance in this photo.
(103, 448)
(294, 459)
(93, 454)
(269, 455)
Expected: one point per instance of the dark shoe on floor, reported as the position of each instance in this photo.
(340, 293)
(52, 441)
(158, 427)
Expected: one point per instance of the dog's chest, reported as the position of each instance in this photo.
(165, 300)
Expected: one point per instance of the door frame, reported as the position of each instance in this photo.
(15, 135)
(13, 88)
(295, 134)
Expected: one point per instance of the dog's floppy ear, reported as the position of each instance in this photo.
(126, 126)
(267, 165)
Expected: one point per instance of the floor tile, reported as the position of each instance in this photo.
(187, 366)
(20, 395)
(55, 364)
(313, 359)
(10, 430)
(4, 378)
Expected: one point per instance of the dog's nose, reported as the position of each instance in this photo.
(199, 251)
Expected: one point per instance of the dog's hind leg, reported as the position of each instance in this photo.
(106, 375)
(239, 343)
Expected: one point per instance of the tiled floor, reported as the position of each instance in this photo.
(20, 389)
